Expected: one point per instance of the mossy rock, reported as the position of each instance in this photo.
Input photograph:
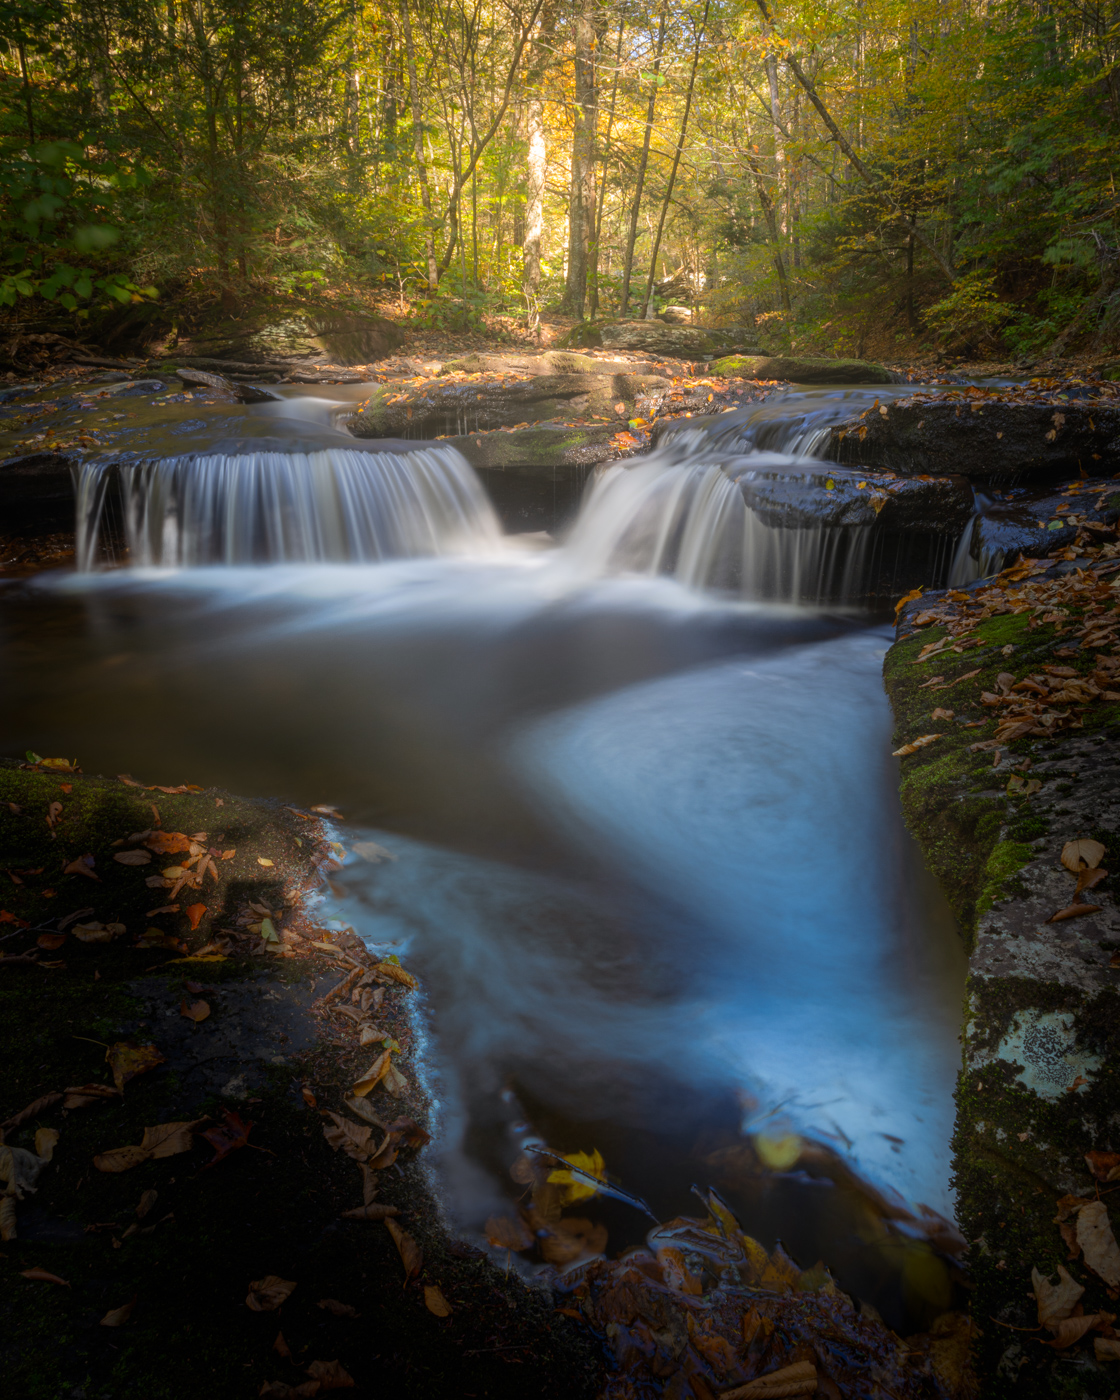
(799, 370)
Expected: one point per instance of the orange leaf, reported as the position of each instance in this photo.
(195, 913)
(435, 1302)
(168, 843)
(42, 1276)
(412, 1257)
(127, 1059)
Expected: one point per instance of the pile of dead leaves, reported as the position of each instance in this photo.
(706, 1309)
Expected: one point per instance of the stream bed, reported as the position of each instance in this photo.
(640, 840)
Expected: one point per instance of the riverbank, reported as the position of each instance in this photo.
(201, 1017)
(1007, 713)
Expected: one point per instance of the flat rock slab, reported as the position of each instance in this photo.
(662, 339)
(989, 438)
(452, 407)
(993, 808)
(549, 362)
(800, 370)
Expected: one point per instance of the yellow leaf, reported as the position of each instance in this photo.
(435, 1302)
(1082, 855)
(411, 1254)
(262, 861)
(575, 1183)
(266, 1294)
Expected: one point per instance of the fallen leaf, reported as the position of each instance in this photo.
(146, 1202)
(508, 1232)
(51, 940)
(1105, 1166)
(372, 1210)
(308, 1097)
(798, 1379)
(169, 1139)
(330, 1375)
(116, 1317)
(1084, 854)
(1098, 1244)
(1071, 1329)
(42, 1276)
(348, 1136)
(268, 1293)
(397, 973)
(1106, 1348)
(1073, 911)
(7, 1218)
(82, 1095)
(919, 743)
(1087, 879)
(281, 1390)
(168, 843)
(576, 1238)
(281, 1347)
(133, 857)
(262, 861)
(121, 1159)
(941, 713)
(82, 866)
(32, 1110)
(46, 1140)
(579, 1176)
(227, 1136)
(412, 1257)
(435, 1302)
(373, 1076)
(1055, 1301)
(195, 1010)
(127, 1059)
(394, 1081)
(332, 1305)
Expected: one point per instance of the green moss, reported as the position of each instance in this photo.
(1005, 859)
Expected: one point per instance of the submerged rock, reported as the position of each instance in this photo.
(987, 439)
(451, 408)
(801, 370)
(224, 388)
(1035, 523)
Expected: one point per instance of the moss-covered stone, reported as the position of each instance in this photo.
(802, 370)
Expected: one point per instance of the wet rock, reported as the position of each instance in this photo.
(225, 388)
(450, 408)
(1041, 1037)
(37, 492)
(799, 369)
(986, 440)
(686, 341)
(536, 477)
(19, 391)
(817, 495)
(1035, 523)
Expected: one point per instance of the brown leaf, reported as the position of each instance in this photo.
(168, 843)
(46, 1140)
(133, 857)
(941, 713)
(281, 1390)
(42, 1276)
(330, 1375)
(281, 1347)
(435, 1302)
(195, 913)
(226, 1136)
(412, 1257)
(32, 1110)
(509, 1232)
(1082, 855)
(93, 933)
(7, 1218)
(82, 866)
(1104, 1165)
(1055, 1301)
(372, 1210)
(1087, 879)
(194, 1010)
(169, 1139)
(127, 1059)
(146, 1202)
(51, 941)
(373, 1075)
(121, 1159)
(1071, 1330)
(397, 973)
(308, 1097)
(798, 1379)
(572, 1239)
(116, 1317)
(1073, 911)
(1098, 1243)
(1106, 1348)
(332, 1305)
(919, 743)
(268, 1293)
(82, 1095)
(348, 1136)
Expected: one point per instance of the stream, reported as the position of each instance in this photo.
(625, 803)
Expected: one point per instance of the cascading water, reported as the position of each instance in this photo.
(334, 505)
(688, 513)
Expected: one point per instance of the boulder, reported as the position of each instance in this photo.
(225, 389)
(451, 408)
(1036, 523)
(536, 477)
(983, 439)
(676, 316)
(689, 342)
(344, 338)
(799, 369)
(37, 492)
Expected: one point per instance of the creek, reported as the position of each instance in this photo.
(626, 802)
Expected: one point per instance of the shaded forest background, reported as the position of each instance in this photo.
(845, 177)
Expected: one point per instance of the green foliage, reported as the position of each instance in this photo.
(971, 311)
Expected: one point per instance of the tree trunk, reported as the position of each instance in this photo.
(766, 201)
(643, 162)
(418, 150)
(581, 202)
(676, 162)
(593, 273)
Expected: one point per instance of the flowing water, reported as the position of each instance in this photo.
(647, 854)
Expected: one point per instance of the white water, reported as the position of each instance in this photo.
(334, 505)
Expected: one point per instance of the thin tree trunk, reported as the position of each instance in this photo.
(581, 202)
(26, 92)
(768, 213)
(418, 150)
(643, 162)
(537, 167)
(593, 269)
(676, 162)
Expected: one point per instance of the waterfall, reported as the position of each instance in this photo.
(336, 505)
(689, 520)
